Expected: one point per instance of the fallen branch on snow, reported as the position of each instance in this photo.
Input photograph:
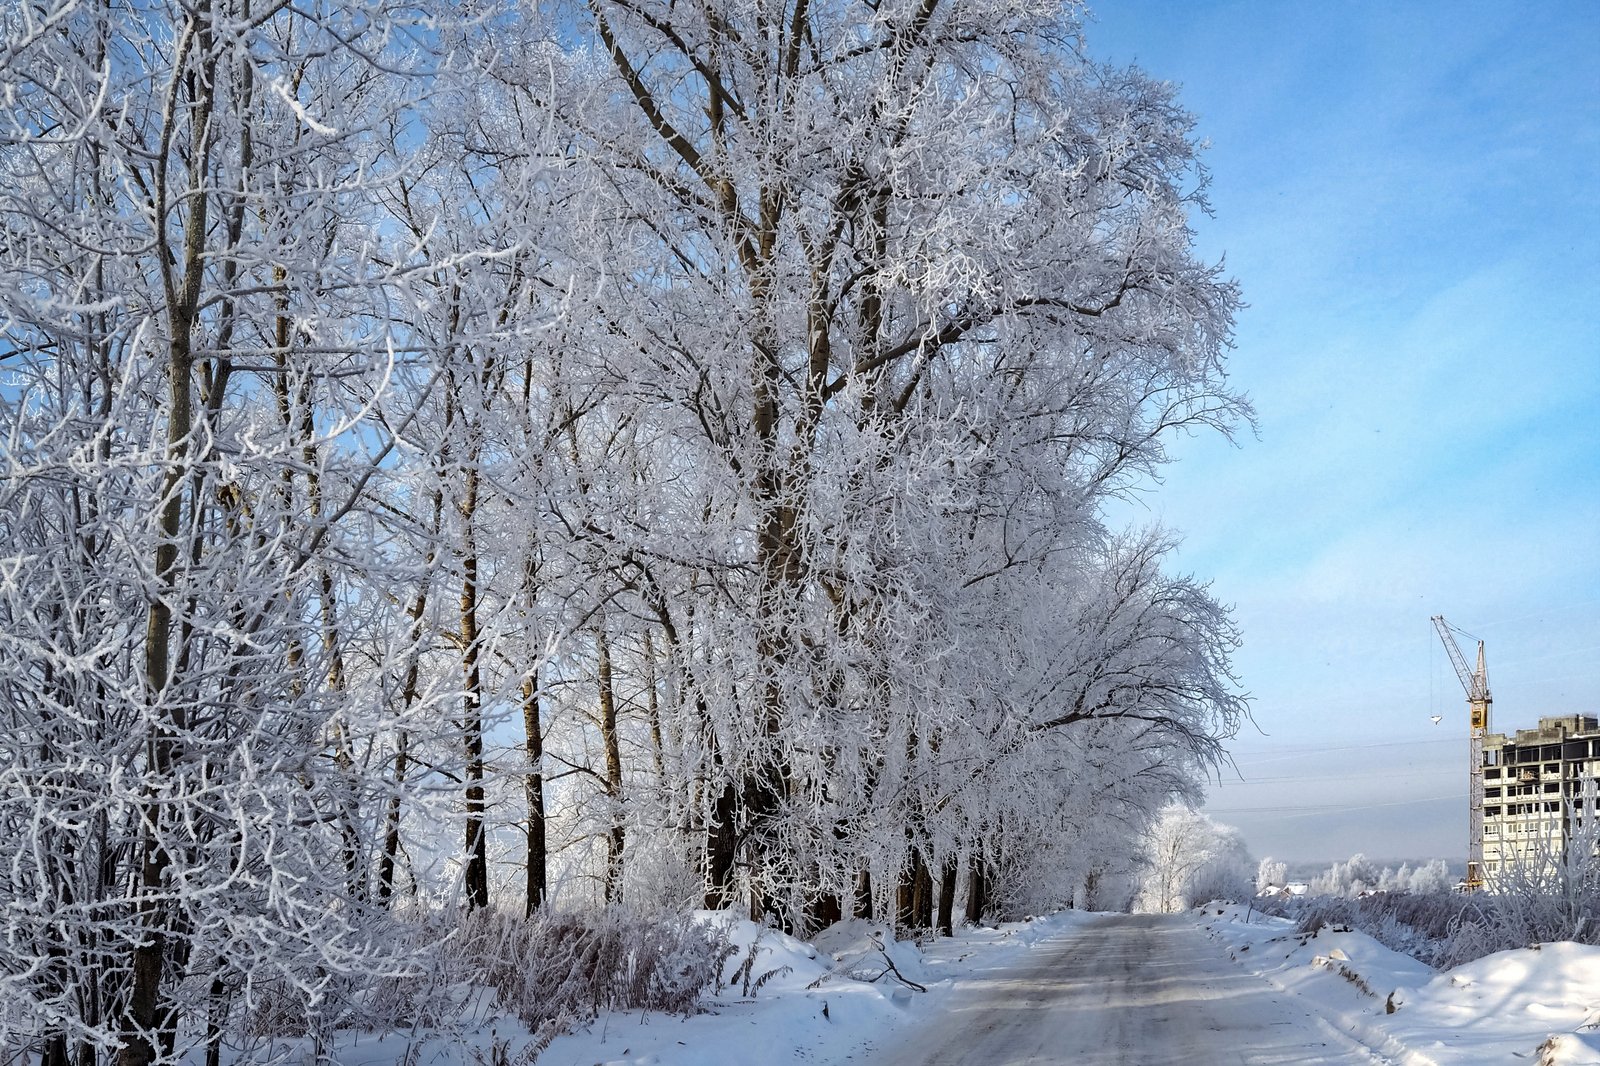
(902, 978)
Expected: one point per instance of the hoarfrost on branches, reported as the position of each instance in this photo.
(625, 453)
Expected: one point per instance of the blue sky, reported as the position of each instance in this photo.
(1408, 193)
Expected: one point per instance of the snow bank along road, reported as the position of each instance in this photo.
(1139, 990)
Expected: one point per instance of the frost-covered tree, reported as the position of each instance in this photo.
(1227, 874)
(1430, 877)
(1191, 859)
(1350, 878)
(895, 273)
(199, 320)
(524, 457)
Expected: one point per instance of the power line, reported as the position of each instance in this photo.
(1325, 807)
(1268, 754)
(1371, 775)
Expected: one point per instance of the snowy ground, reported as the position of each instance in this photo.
(1221, 984)
(1532, 1005)
(839, 1004)
(1126, 990)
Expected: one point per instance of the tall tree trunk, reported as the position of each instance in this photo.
(924, 893)
(409, 693)
(977, 887)
(55, 1051)
(721, 849)
(823, 910)
(947, 896)
(915, 894)
(616, 833)
(719, 835)
(146, 1015)
(538, 855)
(477, 854)
(295, 407)
(722, 834)
(391, 818)
(653, 709)
(537, 867)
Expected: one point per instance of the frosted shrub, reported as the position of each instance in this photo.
(1554, 894)
(1519, 920)
(1420, 925)
(1472, 937)
(1445, 929)
(1430, 915)
(559, 970)
(1322, 912)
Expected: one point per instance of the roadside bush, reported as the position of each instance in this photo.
(1445, 929)
(555, 972)
(1519, 915)
(1422, 925)
(1552, 895)
(1321, 912)
(576, 965)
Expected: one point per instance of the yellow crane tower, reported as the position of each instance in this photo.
(1476, 682)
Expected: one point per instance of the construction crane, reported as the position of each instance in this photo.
(1476, 682)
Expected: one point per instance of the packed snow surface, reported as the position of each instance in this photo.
(1139, 988)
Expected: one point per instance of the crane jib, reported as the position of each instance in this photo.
(1476, 684)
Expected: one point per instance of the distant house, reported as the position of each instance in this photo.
(1288, 891)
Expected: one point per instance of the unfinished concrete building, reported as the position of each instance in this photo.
(1539, 786)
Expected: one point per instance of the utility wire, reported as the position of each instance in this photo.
(1326, 807)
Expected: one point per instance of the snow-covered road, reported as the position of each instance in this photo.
(1140, 990)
